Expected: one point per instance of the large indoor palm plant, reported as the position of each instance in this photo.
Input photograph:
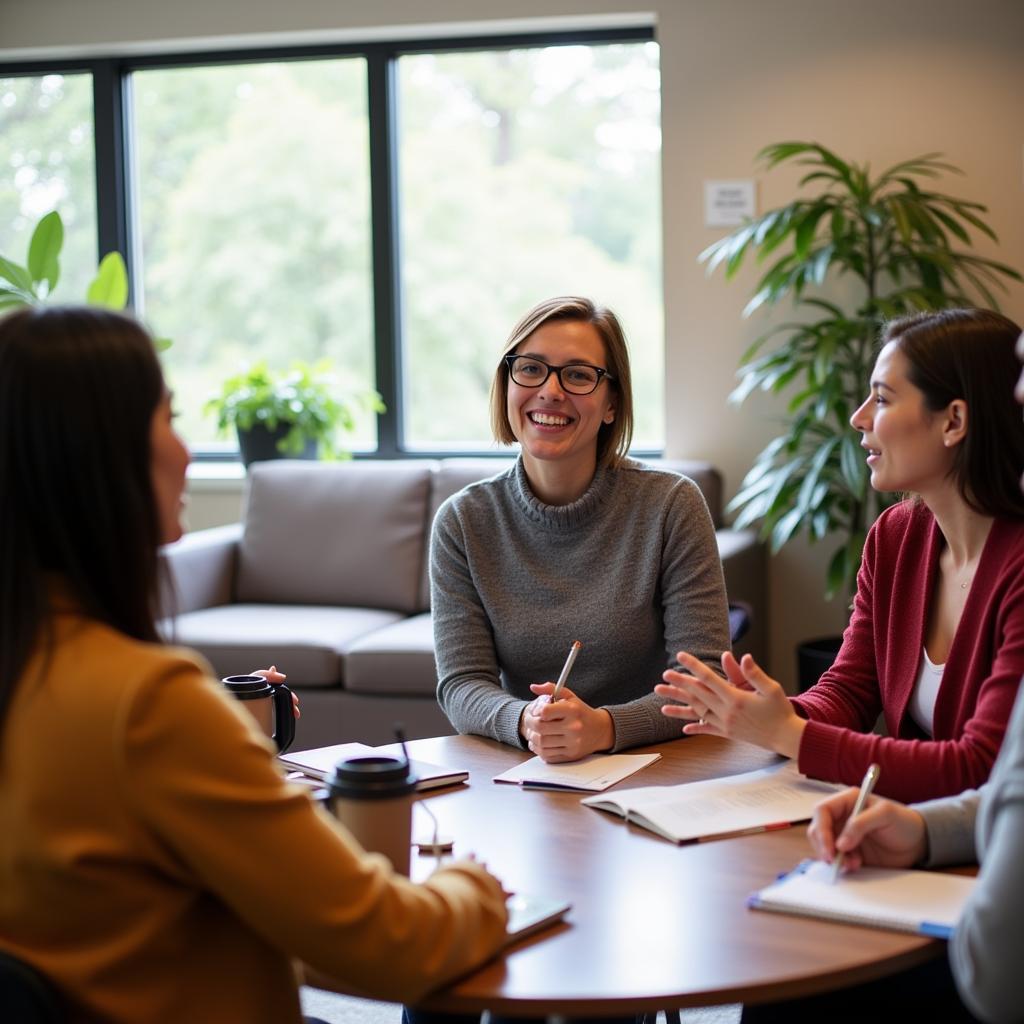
(903, 246)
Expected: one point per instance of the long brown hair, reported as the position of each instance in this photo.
(970, 354)
(78, 389)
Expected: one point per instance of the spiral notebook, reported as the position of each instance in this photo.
(923, 902)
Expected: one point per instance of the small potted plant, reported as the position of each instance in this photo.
(290, 414)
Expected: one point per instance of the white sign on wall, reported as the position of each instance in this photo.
(728, 203)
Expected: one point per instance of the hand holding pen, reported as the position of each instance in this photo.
(883, 834)
(866, 786)
(560, 727)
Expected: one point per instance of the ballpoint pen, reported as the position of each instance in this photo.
(566, 669)
(868, 784)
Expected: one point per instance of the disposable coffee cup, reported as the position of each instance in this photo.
(372, 798)
(270, 705)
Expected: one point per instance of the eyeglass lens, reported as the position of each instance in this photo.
(577, 378)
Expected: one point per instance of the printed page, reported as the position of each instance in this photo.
(921, 901)
(737, 803)
(592, 774)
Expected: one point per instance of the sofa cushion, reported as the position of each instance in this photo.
(451, 476)
(306, 642)
(398, 659)
(349, 534)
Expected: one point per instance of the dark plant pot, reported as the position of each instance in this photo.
(813, 657)
(259, 444)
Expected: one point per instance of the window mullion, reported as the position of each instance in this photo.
(112, 228)
(385, 245)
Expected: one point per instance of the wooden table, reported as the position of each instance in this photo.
(653, 925)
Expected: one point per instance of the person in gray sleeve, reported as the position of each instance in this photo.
(575, 542)
(987, 824)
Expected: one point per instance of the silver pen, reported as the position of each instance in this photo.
(566, 669)
(868, 784)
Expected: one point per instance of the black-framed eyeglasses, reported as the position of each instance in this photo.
(576, 378)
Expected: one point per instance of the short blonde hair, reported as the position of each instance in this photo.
(613, 439)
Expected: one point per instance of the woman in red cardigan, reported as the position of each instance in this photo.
(936, 639)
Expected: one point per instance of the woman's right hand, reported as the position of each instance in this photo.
(885, 834)
(564, 730)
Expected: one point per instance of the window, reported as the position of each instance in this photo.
(525, 173)
(392, 207)
(47, 157)
(253, 213)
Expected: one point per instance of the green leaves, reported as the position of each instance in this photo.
(894, 238)
(44, 251)
(302, 396)
(110, 285)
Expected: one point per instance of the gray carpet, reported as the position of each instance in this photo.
(345, 1010)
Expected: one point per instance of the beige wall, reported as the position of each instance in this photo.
(877, 80)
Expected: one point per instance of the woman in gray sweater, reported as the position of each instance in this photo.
(575, 542)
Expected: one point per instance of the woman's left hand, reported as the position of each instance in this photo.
(566, 729)
(274, 677)
(748, 705)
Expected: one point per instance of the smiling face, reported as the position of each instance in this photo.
(910, 448)
(169, 460)
(553, 426)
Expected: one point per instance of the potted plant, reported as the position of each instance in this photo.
(290, 414)
(897, 238)
(33, 283)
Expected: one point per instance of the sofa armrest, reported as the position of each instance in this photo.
(743, 562)
(199, 570)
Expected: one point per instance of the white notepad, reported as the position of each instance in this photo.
(319, 763)
(590, 775)
(758, 801)
(923, 902)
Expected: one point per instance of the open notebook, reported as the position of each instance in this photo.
(758, 801)
(924, 902)
(589, 775)
(320, 762)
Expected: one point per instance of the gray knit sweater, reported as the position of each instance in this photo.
(987, 949)
(631, 569)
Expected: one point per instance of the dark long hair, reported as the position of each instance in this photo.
(970, 354)
(78, 389)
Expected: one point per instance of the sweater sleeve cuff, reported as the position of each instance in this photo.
(817, 750)
(506, 723)
(949, 823)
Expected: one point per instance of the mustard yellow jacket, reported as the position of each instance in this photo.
(155, 864)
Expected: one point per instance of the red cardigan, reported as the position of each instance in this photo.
(880, 658)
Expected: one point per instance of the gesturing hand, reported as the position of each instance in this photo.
(566, 729)
(748, 705)
(886, 833)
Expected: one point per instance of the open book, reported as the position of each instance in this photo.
(924, 902)
(759, 801)
(591, 774)
(320, 762)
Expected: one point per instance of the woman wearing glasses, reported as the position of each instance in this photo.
(575, 542)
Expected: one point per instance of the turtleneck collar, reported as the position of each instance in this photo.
(561, 517)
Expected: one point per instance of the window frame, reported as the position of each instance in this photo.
(117, 225)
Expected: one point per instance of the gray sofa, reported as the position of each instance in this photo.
(327, 578)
